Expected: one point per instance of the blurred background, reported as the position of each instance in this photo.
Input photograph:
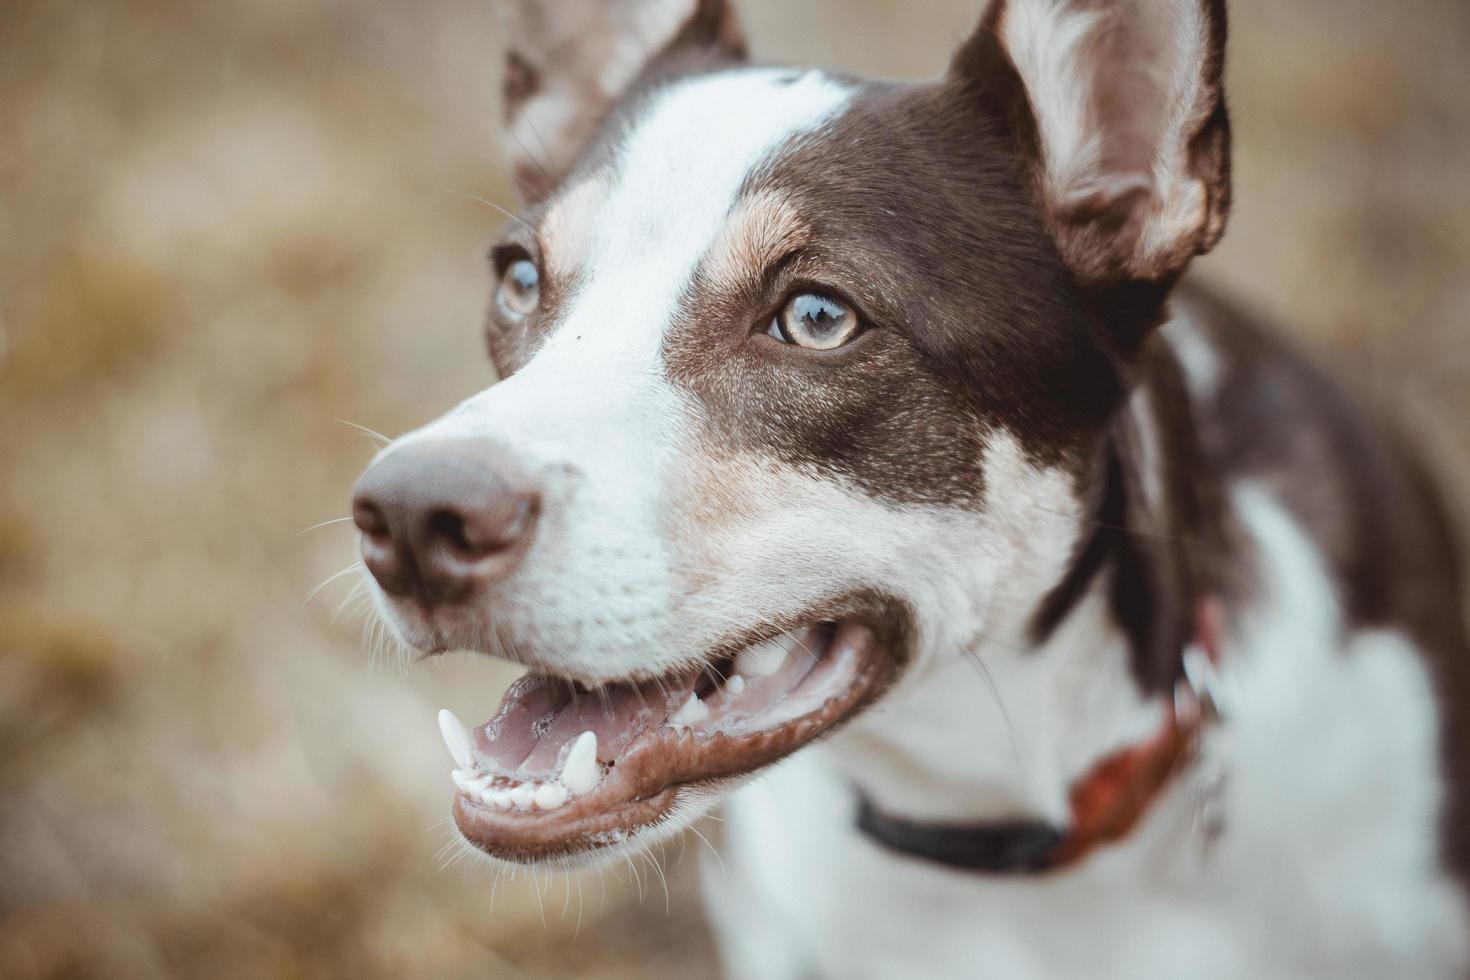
(224, 227)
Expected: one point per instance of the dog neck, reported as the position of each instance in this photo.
(1076, 670)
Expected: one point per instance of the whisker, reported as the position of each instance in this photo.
(544, 149)
(364, 429)
(712, 849)
(321, 524)
(359, 594)
(581, 906)
(513, 217)
(736, 823)
(649, 857)
(804, 648)
(527, 151)
(536, 888)
(1136, 532)
(329, 580)
(710, 674)
(973, 657)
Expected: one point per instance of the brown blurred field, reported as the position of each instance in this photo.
(224, 226)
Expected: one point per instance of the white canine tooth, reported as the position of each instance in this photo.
(457, 738)
(736, 684)
(763, 660)
(523, 795)
(579, 773)
(690, 712)
(550, 796)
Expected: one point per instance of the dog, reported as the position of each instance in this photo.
(857, 466)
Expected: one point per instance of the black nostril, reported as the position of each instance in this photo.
(384, 559)
(480, 533)
(450, 528)
(368, 517)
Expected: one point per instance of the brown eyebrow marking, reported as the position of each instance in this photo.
(761, 230)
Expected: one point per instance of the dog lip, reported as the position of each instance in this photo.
(579, 826)
(640, 788)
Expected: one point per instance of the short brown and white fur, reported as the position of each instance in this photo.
(1022, 476)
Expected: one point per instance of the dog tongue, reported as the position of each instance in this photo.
(540, 716)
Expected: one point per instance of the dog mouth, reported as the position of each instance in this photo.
(562, 769)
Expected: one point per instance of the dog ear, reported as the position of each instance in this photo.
(568, 61)
(1118, 110)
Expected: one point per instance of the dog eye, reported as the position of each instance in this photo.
(815, 321)
(520, 288)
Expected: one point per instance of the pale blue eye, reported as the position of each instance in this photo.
(520, 287)
(815, 321)
(525, 275)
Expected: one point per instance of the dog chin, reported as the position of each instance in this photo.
(570, 774)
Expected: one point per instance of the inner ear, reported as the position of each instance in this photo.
(1119, 113)
(569, 61)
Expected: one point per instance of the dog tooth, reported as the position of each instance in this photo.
(474, 785)
(549, 796)
(522, 795)
(468, 783)
(735, 684)
(690, 712)
(579, 773)
(761, 661)
(457, 738)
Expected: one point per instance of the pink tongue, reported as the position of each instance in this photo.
(539, 717)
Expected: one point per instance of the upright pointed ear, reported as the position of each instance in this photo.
(569, 60)
(1118, 111)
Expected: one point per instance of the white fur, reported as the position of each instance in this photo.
(1048, 41)
(1325, 867)
(1204, 368)
(1150, 458)
(593, 416)
(972, 729)
(1316, 856)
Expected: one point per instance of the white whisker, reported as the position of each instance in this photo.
(364, 429)
(329, 580)
(322, 524)
(508, 214)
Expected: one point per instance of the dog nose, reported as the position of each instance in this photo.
(438, 520)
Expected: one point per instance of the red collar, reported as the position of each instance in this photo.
(1107, 802)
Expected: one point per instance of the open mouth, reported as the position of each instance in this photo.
(562, 769)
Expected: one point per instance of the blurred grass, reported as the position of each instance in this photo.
(225, 226)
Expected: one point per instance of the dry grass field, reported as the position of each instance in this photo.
(224, 227)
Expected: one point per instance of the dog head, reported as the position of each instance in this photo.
(803, 383)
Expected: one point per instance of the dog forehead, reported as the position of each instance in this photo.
(632, 230)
